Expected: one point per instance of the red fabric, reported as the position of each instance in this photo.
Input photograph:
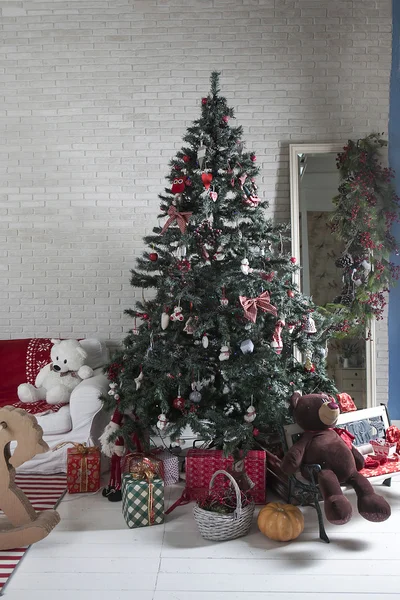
(39, 407)
(391, 465)
(346, 403)
(202, 464)
(21, 361)
(345, 435)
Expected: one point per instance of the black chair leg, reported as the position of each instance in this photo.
(322, 533)
(387, 482)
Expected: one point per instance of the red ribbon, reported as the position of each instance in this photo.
(262, 302)
(182, 218)
(345, 435)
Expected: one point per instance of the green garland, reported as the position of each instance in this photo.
(366, 208)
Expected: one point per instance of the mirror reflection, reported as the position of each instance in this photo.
(320, 278)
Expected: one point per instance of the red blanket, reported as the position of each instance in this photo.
(21, 361)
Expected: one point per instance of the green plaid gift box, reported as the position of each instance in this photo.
(136, 500)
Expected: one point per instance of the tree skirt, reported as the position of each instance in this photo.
(44, 492)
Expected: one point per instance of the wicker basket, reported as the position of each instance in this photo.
(220, 528)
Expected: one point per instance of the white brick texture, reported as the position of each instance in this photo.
(95, 97)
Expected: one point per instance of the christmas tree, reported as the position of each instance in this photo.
(214, 349)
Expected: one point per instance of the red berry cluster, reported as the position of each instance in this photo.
(113, 371)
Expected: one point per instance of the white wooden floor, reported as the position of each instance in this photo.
(92, 550)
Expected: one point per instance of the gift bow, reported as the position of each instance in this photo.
(80, 448)
(250, 306)
(393, 436)
(182, 218)
(145, 470)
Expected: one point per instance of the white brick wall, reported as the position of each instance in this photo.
(95, 96)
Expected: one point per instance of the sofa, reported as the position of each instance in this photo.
(82, 420)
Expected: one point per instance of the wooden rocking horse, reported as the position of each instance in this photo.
(25, 526)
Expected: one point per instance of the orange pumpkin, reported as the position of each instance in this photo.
(280, 522)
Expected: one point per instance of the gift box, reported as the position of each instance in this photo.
(142, 501)
(170, 464)
(346, 403)
(133, 463)
(383, 448)
(83, 468)
(202, 464)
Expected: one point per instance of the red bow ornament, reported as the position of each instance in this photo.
(393, 436)
(182, 219)
(250, 306)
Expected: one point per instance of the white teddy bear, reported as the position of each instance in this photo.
(55, 382)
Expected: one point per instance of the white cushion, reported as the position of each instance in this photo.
(97, 352)
(55, 423)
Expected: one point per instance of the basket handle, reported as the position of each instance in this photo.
(238, 511)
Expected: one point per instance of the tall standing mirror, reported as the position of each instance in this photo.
(314, 182)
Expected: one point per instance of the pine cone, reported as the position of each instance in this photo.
(343, 261)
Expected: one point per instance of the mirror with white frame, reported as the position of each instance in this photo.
(314, 182)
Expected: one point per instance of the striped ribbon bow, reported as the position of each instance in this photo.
(182, 219)
(250, 306)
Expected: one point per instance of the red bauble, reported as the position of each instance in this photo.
(255, 432)
(293, 259)
(253, 157)
(186, 158)
(153, 256)
(290, 293)
(179, 403)
(225, 118)
(144, 316)
(204, 101)
(184, 265)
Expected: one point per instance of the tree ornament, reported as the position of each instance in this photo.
(162, 422)
(224, 353)
(153, 256)
(290, 327)
(184, 265)
(290, 293)
(214, 196)
(190, 326)
(205, 341)
(245, 267)
(186, 158)
(225, 119)
(366, 265)
(250, 414)
(179, 403)
(309, 325)
(240, 147)
(206, 179)
(138, 380)
(178, 187)
(293, 260)
(256, 432)
(164, 320)
(204, 101)
(195, 396)
(247, 347)
(181, 218)
(308, 365)
(201, 155)
(177, 314)
(224, 300)
(253, 157)
(277, 343)
(346, 260)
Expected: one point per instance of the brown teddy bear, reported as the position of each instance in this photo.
(321, 444)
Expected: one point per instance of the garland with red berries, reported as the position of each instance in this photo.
(366, 208)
